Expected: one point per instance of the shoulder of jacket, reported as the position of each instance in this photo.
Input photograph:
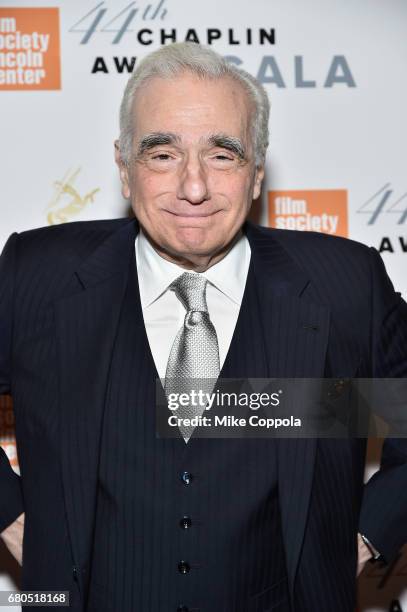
(325, 257)
(302, 240)
(76, 239)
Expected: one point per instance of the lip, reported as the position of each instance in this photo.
(192, 215)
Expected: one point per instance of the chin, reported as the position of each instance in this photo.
(195, 240)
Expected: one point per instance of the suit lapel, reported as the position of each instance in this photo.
(295, 331)
(86, 323)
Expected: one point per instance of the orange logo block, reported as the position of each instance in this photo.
(29, 49)
(318, 210)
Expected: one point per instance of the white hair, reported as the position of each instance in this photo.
(174, 59)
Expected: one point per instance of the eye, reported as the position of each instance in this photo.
(161, 156)
(223, 157)
(162, 161)
(222, 160)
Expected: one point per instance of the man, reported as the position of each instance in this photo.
(92, 313)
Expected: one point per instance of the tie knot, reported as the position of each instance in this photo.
(191, 291)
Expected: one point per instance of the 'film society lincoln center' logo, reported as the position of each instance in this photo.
(29, 49)
(319, 210)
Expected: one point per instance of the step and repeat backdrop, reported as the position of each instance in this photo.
(336, 76)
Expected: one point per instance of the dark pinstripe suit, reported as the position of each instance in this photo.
(327, 307)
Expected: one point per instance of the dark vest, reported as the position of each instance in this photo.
(193, 525)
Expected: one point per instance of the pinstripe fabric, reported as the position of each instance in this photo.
(330, 535)
(234, 545)
(43, 263)
(325, 305)
(11, 501)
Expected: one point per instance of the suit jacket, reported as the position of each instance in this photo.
(328, 309)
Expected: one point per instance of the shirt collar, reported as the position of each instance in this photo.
(156, 274)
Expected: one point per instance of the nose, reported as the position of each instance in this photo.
(193, 182)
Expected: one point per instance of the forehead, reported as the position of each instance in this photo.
(192, 107)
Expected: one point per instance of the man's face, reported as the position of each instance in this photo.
(192, 176)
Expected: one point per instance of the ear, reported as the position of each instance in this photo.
(123, 171)
(258, 179)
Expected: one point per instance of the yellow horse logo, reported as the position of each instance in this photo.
(67, 202)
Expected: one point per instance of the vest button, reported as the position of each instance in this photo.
(185, 522)
(186, 477)
(183, 567)
(182, 609)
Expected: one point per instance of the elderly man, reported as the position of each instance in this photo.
(92, 313)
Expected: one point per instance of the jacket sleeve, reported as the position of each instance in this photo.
(11, 499)
(383, 517)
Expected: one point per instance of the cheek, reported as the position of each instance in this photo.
(142, 185)
(237, 190)
(146, 190)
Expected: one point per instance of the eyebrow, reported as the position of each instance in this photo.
(231, 143)
(223, 141)
(155, 139)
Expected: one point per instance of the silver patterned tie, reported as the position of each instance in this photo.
(194, 356)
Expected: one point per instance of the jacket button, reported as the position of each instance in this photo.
(186, 477)
(182, 609)
(185, 522)
(75, 573)
(183, 567)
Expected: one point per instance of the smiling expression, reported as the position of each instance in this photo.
(192, 177)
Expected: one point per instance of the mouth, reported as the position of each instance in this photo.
(190, 215)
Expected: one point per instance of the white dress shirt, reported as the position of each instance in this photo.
(164, 314)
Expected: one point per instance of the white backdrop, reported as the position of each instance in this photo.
(336, 75)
